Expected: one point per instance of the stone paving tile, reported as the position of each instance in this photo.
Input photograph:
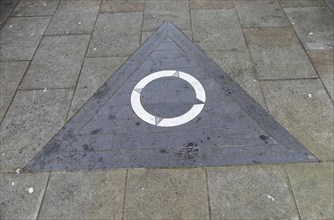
(95, 72)
(116, 34)
(57, 62)
(16, 200)
(74, 17)
(156, 12)
(32, 119)
(111, 6)
(36, 7)
(250, 192)
(146, 35)
(265, 37)
(312, 185)
(323, 61)
(330, 4)
(301, 3)
(314, 26)
(260, 13)
(217, 30)
(2, 21)
(10, 76)
(20, 37)
(166, 194)
(6, 7)
(304, 108)
(213, 4)
(84, 195)
(239, 66)
(278, 54)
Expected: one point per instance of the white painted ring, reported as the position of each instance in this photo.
(167, 122)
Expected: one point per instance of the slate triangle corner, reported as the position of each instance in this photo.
(107, 132)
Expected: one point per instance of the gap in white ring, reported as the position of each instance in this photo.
(167, 122)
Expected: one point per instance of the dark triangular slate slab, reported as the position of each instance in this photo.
(231, 129)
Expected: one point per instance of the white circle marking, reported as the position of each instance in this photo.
(167, 122)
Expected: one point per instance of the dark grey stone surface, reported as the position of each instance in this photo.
(231, 129)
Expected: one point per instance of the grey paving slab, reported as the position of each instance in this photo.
(95, 72)
(217, 29)
(156, 12)
(32, 119)
(20, 37)
(314, 26)
(239, 65)
(301, 3)
(36, 7)
(17, 202)
(84, 195)
(11, 74)
(312, 185)
(230, 122)
(74, 17)
(261, 13)
(274, 49)
(250, 192)
(212, 4)
(57, 62)
(116, 34)
(330, 4)
(323, 61)
(2, 20)
(166, 194)
(276, 36)
(119, 6)
(6, 7)
(305, 109)
(146, 35)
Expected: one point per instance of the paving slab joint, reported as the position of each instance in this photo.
(308, 56)
(26, 70)
(77, 81)
(45, 189)
(291, 189)
(208, 191)
(124, 196)
(253, 62)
